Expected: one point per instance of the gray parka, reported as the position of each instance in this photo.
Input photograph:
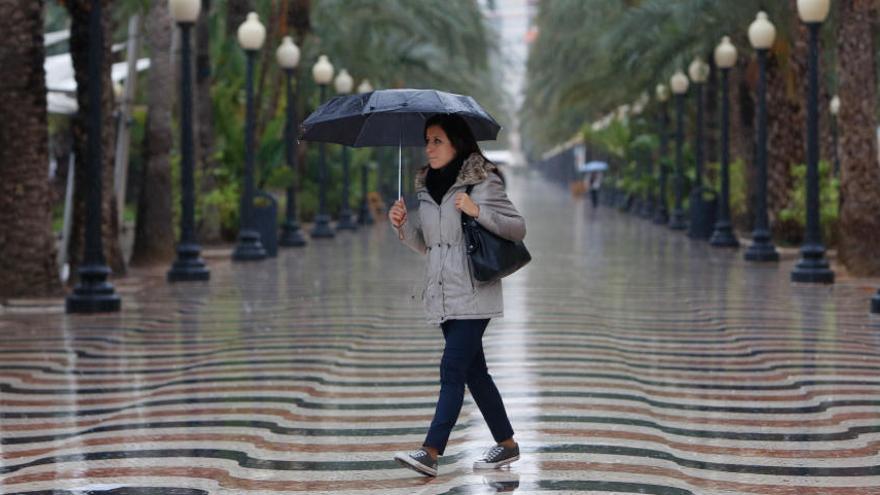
(450, 292)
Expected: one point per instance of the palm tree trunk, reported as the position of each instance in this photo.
(236, 13)
(712, 131)
(786, 78)
(27, 247)
(298, 19)
(859, 171)
(267, 108)
(79, 50)
(742, 132)
(209, 223)
(154, 232)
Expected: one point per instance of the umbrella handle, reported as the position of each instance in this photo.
(400, 177)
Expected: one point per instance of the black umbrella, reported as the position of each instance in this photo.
(392, 117)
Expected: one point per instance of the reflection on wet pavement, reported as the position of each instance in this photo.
(631, 360)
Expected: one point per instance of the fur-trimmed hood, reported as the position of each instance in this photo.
(473, 171)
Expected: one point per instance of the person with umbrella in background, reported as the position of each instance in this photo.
(458, 180)
(595, 185)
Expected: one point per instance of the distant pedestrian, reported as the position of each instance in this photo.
(452, 298)
(595, 185)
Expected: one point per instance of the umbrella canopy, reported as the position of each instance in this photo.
(392, 117)
(594, 166)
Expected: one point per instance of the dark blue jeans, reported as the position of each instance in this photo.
(463, 364)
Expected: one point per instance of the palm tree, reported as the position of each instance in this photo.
(27, 247)
(209, 226)
(79, 49)
(859, 171)
(154, 232)
(236, 13)
(591, 57)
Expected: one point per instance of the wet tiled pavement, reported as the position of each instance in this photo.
(631, 360)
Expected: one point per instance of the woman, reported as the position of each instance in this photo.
(452, 298)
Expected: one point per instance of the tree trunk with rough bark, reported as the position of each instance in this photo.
(79, 50)
(712, 133)
(859, 247)
(299, 26)
(742, 132)
(236, 13)
(209, 224)
(27, 246)
(154, 232)
(786, 115)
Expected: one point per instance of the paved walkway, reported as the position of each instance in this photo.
(631, 360)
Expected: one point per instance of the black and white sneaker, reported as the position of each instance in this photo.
(497, 456)
(419, 461)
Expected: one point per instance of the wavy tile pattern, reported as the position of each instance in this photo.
(631, 360)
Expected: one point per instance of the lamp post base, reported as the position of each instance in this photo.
(291, 236)
(875, 303)
(762, 249)
(322, 229)
(812, 268)
(249, 247)
(188, 267)
(93, 294)
(723, 236)
(677, 222)
(346, 221)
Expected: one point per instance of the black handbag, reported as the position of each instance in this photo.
(491, 257)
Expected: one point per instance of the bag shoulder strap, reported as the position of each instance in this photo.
(464, 217)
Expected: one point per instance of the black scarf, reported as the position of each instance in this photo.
(438, 181)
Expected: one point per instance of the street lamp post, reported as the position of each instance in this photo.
(679, 84)
(251, 36)
(189, 265)
(762, 34)
(698, 228)
(661, 215)
(834, 108)
(725, 59)
(287, 56)
(344, 84)
(322, 72)
(93, 294)
(813, 266)
(364, 217)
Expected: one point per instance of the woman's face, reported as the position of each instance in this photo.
(438, 148)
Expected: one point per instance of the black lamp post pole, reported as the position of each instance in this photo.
(723, 234)
(813, 266)
(249, 247)
(322, 227)
(188, 266)
(677, 221)
(290, 231)
(662, 213)
(697, 227)
(346, 221)
(762, 248)
(93, 294)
